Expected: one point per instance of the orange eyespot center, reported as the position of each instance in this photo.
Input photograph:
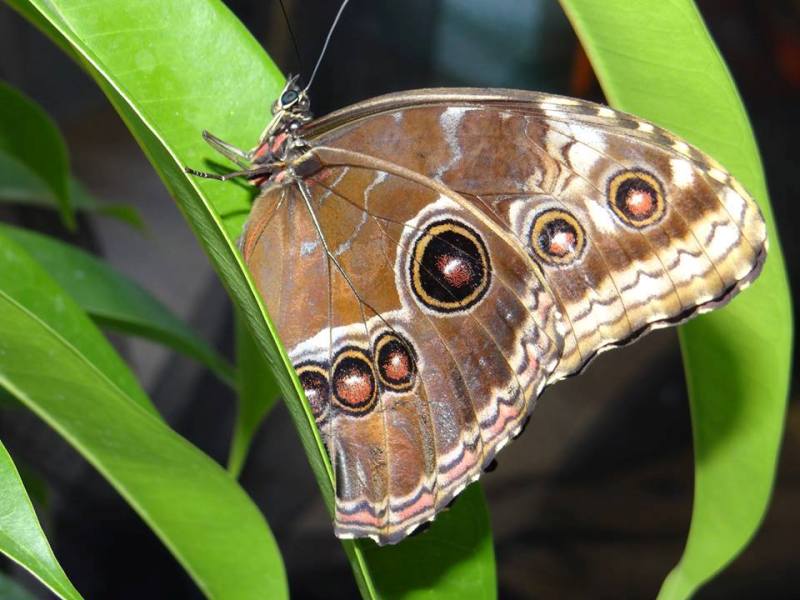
(354, 383)
(396, 362)
(637, 198)
(556, 237)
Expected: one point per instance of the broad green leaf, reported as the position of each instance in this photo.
(257, 393)
(28, 134)
(198, 68)
(656, 59)
(113, 300)
(21, 536)
(48, 301)
(20, 185)
(453, 560)
(199, 512)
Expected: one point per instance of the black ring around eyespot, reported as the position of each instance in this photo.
(353, 382)
(636, 197)
(396, 362)
(314, 379)
(557, 237)
(449, 267)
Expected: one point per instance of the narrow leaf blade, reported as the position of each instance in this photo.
(113, 300)
(198, 511)
(28, 134)
(21, 536)
(656, 59)
(258, 392)
(455, 557)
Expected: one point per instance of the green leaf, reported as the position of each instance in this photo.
(258, 391)
(20, 185)
(21, 536)
(57, 363)
(453, 560)
(198, 68)
(84, 201)
(48, 301)
(113, 300)
(656, 59)
(28, 134)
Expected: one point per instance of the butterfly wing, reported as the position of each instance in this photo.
(447, 253)
(633, 228)
(421, 333)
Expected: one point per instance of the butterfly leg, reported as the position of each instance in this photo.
(249, 173)
(229, 151)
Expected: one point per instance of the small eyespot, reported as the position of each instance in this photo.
(557, 237)
(314, 379)
(449, 267)
(637, 198)
(396, 362)
(354, 385)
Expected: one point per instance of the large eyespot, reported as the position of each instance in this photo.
(314, 379)
(636, 197)
(396, 362)
(556, 237)
(354, 385)
(450, 268)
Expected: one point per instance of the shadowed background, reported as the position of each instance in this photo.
(594, 500)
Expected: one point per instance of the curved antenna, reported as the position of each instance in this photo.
(325, 45)
(291, 35)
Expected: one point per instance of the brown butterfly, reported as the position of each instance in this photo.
(433, 259)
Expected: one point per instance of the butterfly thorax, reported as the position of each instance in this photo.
(277, 156)
(281, 146)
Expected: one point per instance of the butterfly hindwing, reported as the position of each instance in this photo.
(433, 334)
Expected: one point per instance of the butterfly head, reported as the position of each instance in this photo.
(293, 100)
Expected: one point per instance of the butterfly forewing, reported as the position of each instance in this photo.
(632, 227)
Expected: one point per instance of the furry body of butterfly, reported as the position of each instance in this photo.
(433, 259)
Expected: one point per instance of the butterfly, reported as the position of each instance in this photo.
(433, 259)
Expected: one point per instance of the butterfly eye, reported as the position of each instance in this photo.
(354, 385)
(396, 362)
(314, 379)
(556, 237)
(288, 98)
(450, 268)
(637, 198)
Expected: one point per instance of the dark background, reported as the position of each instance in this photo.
(593, 501)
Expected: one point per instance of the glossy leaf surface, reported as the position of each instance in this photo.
(22, 538)
(657, 60)
(56, 362)
(113, 300)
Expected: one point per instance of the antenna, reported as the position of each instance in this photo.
(291, 35)
(325, 45)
